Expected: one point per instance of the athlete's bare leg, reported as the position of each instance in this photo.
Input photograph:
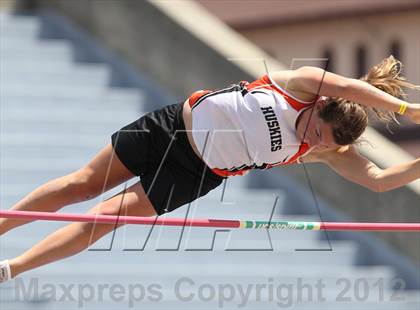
(76, 237)
(104, 172)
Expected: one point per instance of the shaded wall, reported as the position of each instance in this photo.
(150, 41)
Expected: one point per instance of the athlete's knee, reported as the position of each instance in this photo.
(102, 209)
(83, 185)
(106, 208)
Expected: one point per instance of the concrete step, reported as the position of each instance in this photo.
(37, 55)
(193, 239)
(12, 26)
(16, 41)
(88, 114)
(60, 140)
(341, 256)
(69, 91)
(75, 78)
(51, 51)
(23, 65)
(21, 151)
(41, 68)
(20, 101)
(9, 18)
(17, 44)
(71, 267)
(66, 128)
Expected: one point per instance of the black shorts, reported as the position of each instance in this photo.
(156, 148)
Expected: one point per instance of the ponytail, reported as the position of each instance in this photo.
(386, 76)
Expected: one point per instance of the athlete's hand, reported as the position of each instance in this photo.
(413, 112)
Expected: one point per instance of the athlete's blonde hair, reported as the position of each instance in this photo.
(349, 119)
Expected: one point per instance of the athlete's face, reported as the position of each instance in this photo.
(319, 133)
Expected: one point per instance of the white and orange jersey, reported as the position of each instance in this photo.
(247, 126)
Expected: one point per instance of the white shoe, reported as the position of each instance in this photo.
(5, 273)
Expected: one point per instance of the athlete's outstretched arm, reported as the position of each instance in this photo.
(347, 162)
(319, 81)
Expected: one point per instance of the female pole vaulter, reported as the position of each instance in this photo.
(184, 150)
